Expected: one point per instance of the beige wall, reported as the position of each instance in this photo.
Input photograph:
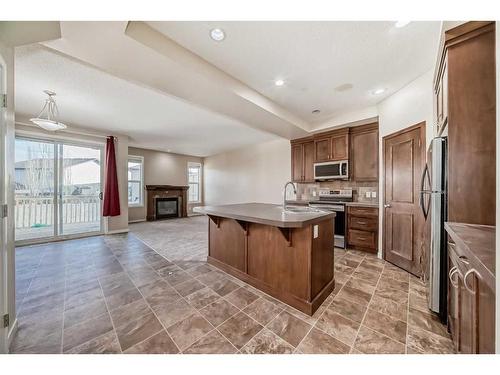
(252, 174)
(161, 168)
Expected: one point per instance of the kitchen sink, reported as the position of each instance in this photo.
(301, 210)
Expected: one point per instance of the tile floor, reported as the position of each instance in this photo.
(151, 291)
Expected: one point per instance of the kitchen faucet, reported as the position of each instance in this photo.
(284, 193)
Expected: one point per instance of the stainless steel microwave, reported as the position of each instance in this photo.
(331, 170)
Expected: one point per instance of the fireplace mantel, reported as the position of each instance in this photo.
(165, 191)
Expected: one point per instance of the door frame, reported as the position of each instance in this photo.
(57, 143)
(4, 334)
(423, 137)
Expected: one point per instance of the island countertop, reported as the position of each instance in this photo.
(267, 214)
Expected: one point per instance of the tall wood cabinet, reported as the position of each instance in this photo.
(465, 98)
(364, 153)
(303, 160)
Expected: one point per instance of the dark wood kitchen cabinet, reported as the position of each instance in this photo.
(364, 153)
(362, 228)
(471, 287)
(302, 160)
(332, 146)
(465, 101)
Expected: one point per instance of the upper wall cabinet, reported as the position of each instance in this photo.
(332, 146)
(364, 153)
(303, 160)
(465, 96)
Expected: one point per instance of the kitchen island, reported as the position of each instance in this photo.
(287, 254)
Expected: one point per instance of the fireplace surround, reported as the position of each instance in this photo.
(166, 201)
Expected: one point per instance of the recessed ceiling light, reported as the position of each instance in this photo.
(316, 111)
(401, 23)
(217, 34)
(279, 82)
(378, 91)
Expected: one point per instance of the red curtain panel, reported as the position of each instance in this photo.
(111, 205)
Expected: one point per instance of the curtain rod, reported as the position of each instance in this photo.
(69, 131)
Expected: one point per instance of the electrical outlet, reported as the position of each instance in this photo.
(367, 194)
(374, 194)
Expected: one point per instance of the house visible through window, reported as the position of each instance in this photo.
(135, 181)
(194, 180)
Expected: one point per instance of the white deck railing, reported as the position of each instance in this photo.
(32, 212)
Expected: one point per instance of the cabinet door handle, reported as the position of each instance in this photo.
(470, 290)
(463, 258)
(452, 272)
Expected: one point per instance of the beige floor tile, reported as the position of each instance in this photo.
(202, 298)
(318, 342)
(262, 310)
(289, 328)
(137, 330)
(239, 329)
(189, 330)
(218, 312)
(104, 344)
(371, 342)
(347, 308)
(85, 331)
(212, 343)
(174, 312)
(395, 329)
(160, 343)
(338, 326)
(266, 342)
(241, 298)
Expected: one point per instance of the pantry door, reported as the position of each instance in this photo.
(404, 160)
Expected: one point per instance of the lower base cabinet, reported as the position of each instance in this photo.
(362, 228)
(471, 306)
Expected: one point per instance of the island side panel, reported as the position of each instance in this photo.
(322, 259)
(227, 242)
(282, 267)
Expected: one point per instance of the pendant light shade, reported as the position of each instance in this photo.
(47, 118)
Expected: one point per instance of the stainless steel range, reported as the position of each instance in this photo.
(335, 200)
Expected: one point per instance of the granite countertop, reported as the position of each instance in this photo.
(362, 204)
(267, 214)
(479, 243)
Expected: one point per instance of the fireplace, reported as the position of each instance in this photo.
(166, 201)
(167, 208)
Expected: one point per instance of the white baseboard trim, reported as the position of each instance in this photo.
(136, 221)
(11, 334)
(117, 231)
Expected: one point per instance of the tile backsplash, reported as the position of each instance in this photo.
(310, 191)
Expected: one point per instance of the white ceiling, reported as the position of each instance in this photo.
(314, 58)
(91, 98)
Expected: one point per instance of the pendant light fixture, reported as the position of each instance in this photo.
(47, 118)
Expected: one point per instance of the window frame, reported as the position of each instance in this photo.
(136, 159)
(191, 164)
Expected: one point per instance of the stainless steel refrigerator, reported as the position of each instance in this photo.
(433, 201)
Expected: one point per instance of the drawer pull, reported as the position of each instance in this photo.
(362, 238)
(464, 259)
(470, 290)
(453, 271)
(362, 222)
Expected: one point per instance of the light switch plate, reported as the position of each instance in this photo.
(367, 194)
(374, 194)
(315, 231)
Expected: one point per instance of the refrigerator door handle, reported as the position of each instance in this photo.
(425, 212)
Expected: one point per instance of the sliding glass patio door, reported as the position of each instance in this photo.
(58, 189)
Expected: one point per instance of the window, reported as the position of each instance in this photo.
(135, 181)
(194, 180)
